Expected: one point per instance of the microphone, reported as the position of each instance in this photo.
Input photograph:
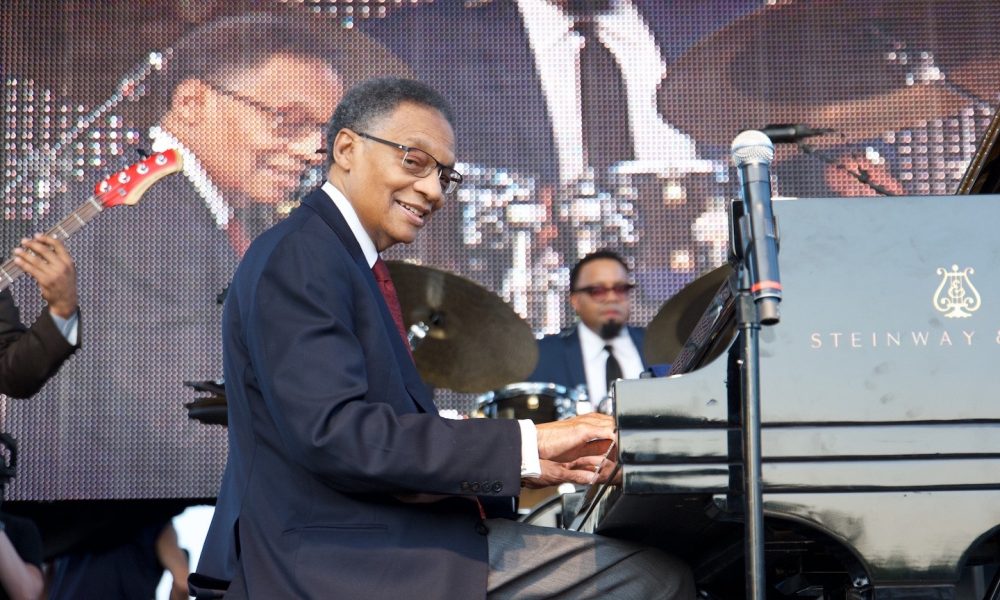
(787, 133)
(752, 154)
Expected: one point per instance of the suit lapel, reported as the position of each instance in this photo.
(574, 356)
(327, 210)
(639, 339)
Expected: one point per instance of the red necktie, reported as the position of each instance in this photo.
(381, 272)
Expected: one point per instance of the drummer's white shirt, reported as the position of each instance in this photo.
(595, 360)
(531, 465)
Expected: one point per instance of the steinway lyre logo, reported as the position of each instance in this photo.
(955, 296)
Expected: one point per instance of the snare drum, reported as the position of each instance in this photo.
(540, 402)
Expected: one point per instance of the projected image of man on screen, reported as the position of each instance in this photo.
(559, 98)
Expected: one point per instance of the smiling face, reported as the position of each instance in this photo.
(234, 129)
(392, 204)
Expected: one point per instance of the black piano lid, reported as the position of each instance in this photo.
(867, 332)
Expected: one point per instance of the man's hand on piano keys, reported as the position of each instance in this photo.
(570, 439)
(582, 471)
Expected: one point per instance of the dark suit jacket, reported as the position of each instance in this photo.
(328, 424)
(560, 358)
(480, 59)
(28, 356)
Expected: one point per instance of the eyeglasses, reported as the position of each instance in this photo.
(418, 163)
(283, 124)
(600, 292)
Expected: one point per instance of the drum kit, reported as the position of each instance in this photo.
(466, 339)
(540, 402)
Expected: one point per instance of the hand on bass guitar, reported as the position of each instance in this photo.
(45, 258)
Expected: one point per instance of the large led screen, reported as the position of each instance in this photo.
(581, 125)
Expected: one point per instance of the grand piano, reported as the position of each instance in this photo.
(880, 410)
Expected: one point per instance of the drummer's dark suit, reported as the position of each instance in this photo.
(328, 423)
(560, 358)
(28, 356)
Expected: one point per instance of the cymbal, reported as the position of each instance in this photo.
(476, 341)
(676, 319)
(855, 66)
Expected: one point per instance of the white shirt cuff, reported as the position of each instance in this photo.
(531, 466)
(67, 327)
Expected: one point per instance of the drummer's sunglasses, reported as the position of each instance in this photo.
(600, 292)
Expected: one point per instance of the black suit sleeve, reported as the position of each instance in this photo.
(28, 356)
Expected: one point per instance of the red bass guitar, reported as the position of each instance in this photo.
(123, 187)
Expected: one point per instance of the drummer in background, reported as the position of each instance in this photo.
(601, 347)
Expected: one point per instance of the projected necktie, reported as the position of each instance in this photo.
(604, 102)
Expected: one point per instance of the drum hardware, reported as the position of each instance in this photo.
(607, 404)
(416, 334)
(583, 402)
(465, 337)
(418, 331)
(538, 401)
(211, 409)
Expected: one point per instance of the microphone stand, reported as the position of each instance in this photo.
(861, 175)
(748, 323)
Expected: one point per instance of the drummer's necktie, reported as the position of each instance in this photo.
(612, 370)
(603, 102)
(381, 272)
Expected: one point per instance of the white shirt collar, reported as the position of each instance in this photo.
(545, 23)
(351, 216)
(195, 173)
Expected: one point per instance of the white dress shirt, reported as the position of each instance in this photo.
(595, 360)
(67, 327)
